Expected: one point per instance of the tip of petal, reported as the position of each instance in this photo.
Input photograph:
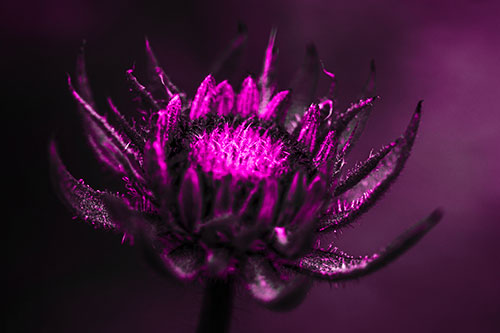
(435, 217)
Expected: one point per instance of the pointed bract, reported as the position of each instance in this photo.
(144, 94)
(83, 200)
(137, 138)
(223, 100)
(362, 189)
(108, 144)
(276, 108)
(336, 265)
(351, 123)
(201, 102)
(308, 128)
(247, 102)
(326, 152)
(167, 121)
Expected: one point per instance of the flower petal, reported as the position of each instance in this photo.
(351, 123)
(308, 127)
(325, 154)
(363, 170)
(336, 265)
(201, 101)
(277, 107)
(84, 201)
(247, 102)
(359, 192)
(223, 98)
(167, 121)
(156, 150)
(273, 285)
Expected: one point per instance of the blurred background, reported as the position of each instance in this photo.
(63, 276)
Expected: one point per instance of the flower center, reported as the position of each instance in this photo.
(241, 152)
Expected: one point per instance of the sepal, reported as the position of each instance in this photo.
(334, 265)
(87, 203)
(363, 187)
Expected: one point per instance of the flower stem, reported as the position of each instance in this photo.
(215, 314)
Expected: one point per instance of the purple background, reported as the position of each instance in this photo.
(65, 277)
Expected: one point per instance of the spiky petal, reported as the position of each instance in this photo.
(223, 99)
(363, 187)
(201, 102)
(247, 102)
(108, 144)
(84, 201)
(277, 107)
(309, 127)
(157, 149)
(336, 265)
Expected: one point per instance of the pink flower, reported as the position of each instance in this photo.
(239, 183)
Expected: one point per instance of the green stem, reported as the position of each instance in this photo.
(216, 310)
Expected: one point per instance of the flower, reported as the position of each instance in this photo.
(239, 185)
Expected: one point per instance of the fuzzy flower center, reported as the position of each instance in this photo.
(242, 152)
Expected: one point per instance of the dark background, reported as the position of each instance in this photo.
(63, 276)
